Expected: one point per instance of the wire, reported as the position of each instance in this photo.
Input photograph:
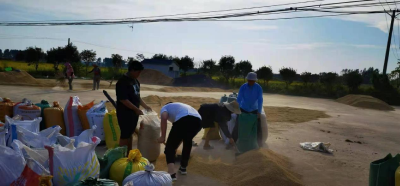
(193, 13)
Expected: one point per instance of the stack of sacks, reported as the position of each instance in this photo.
(55, 116)
(71, 118)
(82, 110)
(6, 109)
(95, 116)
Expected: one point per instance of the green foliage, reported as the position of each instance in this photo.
(226, 67)
(244, 67)
(1, 53)
(186, 63)
(208, 67)
(117, 60)
(328, 79)
(265, 73)
(33, 55)
(395, 76)
(306, 77)
(88, 56)
(71, 54)
(160, 56)
(353, 79)
(288, 75)
(140, 57)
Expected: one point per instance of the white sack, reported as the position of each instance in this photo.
(148, 135)
(148, 177)
(95, 116)
(39, 155)
(231, 126)
(47, 137)
(12, 124)
(11, 166)
(72, 123)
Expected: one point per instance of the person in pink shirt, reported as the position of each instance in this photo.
(69, 74)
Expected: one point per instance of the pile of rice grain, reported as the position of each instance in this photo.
(364, 101)
(257, 167)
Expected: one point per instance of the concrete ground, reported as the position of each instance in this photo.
(377, 131)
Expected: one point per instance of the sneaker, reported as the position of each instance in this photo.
(173, 176)
(182, 171)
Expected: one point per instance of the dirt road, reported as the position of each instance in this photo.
(348, 165)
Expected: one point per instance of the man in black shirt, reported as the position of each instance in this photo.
(128, 103)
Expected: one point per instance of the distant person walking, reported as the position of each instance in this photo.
(250, 99)
(69, 74)
(128, 103)
(186, 123)
(96, 76)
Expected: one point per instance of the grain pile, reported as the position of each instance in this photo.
(191, 89)
(154, 77)
(364, 101)
(292, 115)
(257, 167)
(198, 80)
(18, 78)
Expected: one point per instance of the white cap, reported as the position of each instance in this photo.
(252, 76)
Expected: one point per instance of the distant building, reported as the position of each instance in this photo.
(167, 67)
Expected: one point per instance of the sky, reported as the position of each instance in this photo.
(314, 45)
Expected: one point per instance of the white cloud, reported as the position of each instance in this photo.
(368, 46)
(246, 26)
(305, 46)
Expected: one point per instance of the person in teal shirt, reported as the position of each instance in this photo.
(250, 99)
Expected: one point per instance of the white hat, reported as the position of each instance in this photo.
(252, 76)
(233, 107)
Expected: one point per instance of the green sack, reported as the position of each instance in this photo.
(109, 158)
(96, 182)
(8, 69)
(247, 133)
(382, 172)
(43, 104)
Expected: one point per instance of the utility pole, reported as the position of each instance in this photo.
(69, 42)
(393, 16)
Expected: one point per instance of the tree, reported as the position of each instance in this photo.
(98, 61)
(140, 57)
(55, 56)
(328, 79)
(7, 54)
(265, 73)
(367, 74)
(160, 56)
(1, 54)
(117, 64)
(186, 63)
(208, 67)
(395, 76)
(71, 54)
(288, 75)
(33, 55)
(353, 79)
(226, 66)
(244, 68)
(88, 56)
(306, 77)
(20, 56)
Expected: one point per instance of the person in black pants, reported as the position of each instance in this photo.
(128, 103)
(186, 123)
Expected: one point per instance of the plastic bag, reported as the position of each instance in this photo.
(86, 136)
(95, 116)
(264, 126)
(82, 110)
(69, 166)
(6, 109)
(96, 182)
(39, 155)
(111, 129)
(43, 105)
(16, 105)
(149, 132)
(12, 123)
(231, 125)
(55, 116)
(32, 174)
(71, 118)
(11, 166)
(123, 167)
(3, 133)
(149, 177)
(47, 137)
(110, 156)
(316, 146)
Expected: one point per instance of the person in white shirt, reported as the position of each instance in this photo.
(186, 123)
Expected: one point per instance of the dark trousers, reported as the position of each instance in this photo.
(70, 79)
(185, 129)
(235, 133)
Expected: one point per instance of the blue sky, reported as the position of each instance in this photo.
(315, 45)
